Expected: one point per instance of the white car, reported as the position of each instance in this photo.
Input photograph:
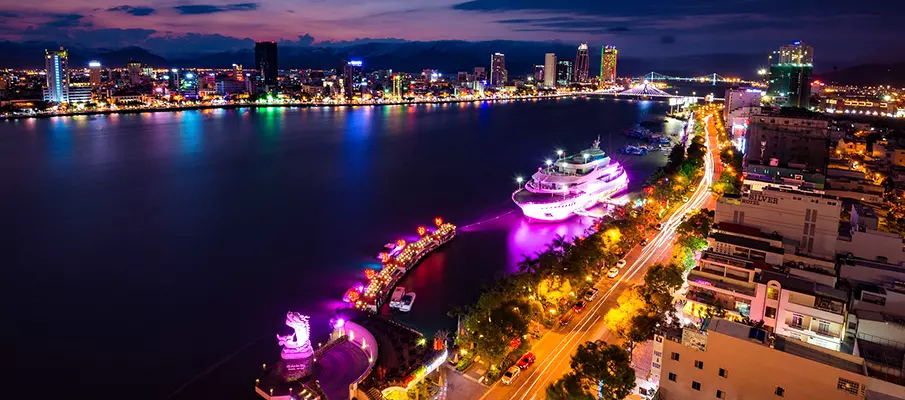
(613, 272)
(510, 374)
(621, 263)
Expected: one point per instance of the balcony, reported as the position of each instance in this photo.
(695, 278)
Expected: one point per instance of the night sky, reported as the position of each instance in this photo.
(838, 29)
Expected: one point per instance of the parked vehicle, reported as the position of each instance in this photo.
(510, 374)
(621, 263)
(579, 307)
(526, 360)
(644, 242)
(590, 294)
(613, 272)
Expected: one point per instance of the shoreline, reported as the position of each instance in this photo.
(280, 105)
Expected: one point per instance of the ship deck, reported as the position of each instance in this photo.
(525, 196)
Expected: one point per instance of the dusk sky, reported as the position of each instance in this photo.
(838, 29)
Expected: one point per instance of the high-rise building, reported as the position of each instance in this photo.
(94, 73)
(56, 63)
(564, 72)
(134, 68)
(266, 61)
(497, 69)
(581, 64)
(351, 78)
(787, 140)
(397, 86)
(790, 75)
(550, 70)
(480, 74)
(539, 73)
(608, 58)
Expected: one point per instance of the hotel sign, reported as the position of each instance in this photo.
(755, 200)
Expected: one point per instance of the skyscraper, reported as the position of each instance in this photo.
(266, 61)
(581, 63)
(94, 73)
(790, 75)
(608, 58)
(564, 71)
(480, 74)
(497, 69)
(56, 62)
(550, 70)
(539, 73)
(134, 68)
(351, 78)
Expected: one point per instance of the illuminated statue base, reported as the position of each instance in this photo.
(298, 355)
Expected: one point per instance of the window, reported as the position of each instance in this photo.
(672, 376)
(772, 293)
(698, 364)
(674, 356)
(797, 321)
(823, 328)
(846, 385)
(780, 391)
(724, 373)
(696, 385)
(720, 394)
(770, 312)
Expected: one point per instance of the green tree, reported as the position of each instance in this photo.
(697, 224)
(568, 388)
(676, 156)
(604, 369)
(660, 281)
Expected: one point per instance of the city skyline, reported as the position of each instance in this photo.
(670, 30)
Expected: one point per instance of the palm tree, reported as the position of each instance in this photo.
(528, 264)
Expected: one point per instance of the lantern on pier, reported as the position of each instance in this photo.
(370, 273)
(421, 231)
(400, 243)
(438, 221)
(353, 295)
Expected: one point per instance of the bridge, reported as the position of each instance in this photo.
(649, 91)
(711, 78)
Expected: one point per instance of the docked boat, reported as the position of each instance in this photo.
(396, 298)
(573, 183)
(407, 301)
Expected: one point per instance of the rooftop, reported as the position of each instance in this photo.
(802, 285)
(746, 242)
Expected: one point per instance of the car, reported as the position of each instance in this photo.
(658, 227)
(621, 263)
(526, 360)
(579, 307)
(613, 272)
(644, 242)
(590, 294)
(685, 199)
(565, 319)
(510, 374)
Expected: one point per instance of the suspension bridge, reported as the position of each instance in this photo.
(713, 78)
(647, 90)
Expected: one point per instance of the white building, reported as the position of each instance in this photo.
(738, 98)
(79, 92)
(56, 63)
(550, 70)
(809, 224)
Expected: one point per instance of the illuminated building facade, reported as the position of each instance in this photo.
(397, 86)
(56, 63)
(134, 68)
(564, 71)
(498, 69)
(791, 66)
(266, 61)
(94, 73)
(352, 73)
(550, 70)
(480, 74)
(539, 73)
(608, 59)
(581, 64)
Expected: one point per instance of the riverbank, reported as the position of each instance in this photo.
(280, 105)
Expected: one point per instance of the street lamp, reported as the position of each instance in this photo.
(519, 180)
(559, 154)
(549, 162)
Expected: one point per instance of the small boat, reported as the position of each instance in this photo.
(396, 298)
(407, 301)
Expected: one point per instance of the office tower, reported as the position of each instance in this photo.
(462, 76)
(581, 64)
(480, 74)
(56, 63)
(238, 73)
(351, 78)
(134, 68)
(266, 61)
(397, 86)
(776, 139)
(497, 69)
(94, 73)
(550, 70)
(790, 75)
(608, 58)
(564, 71)
(539, 73)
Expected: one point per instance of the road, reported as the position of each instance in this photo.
(554, 350)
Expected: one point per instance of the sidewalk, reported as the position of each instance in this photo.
(458, 386)
(641, 362)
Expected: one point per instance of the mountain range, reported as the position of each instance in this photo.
(447, 56)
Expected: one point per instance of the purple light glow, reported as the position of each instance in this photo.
(339, 323)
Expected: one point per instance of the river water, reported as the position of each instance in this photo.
(155, 255)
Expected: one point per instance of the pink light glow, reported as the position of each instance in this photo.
(339, 323)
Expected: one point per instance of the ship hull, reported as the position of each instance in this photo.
(556, 211)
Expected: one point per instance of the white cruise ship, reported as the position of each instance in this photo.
(572, 183)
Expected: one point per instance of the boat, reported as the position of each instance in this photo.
(396, 298)
(573, 183)
(635, 150)
(407, 301)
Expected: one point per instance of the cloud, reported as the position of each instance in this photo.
(64, 21)
(667, 39)
(196, 9)
(8, 14)
(303, 40)
(132, 10)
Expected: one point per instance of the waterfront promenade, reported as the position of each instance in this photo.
(269, 104)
